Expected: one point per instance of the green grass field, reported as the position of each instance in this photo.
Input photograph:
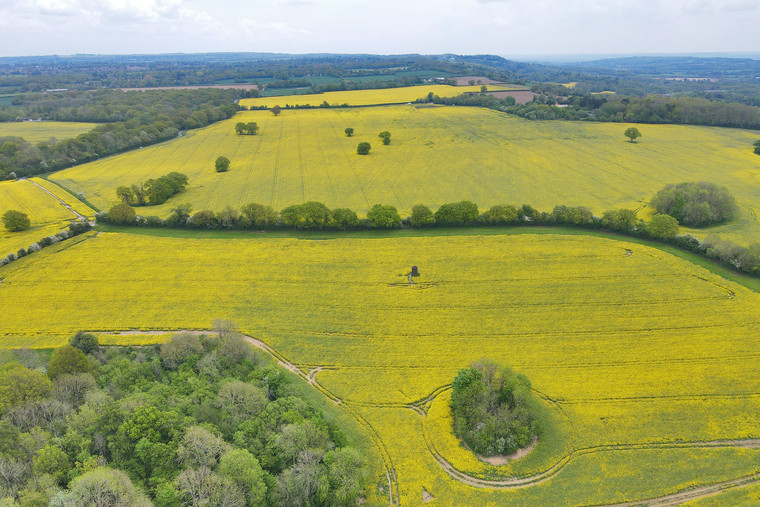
(437, 155)
(643, 361)
(36, 131)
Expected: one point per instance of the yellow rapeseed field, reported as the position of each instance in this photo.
(36, 131)
(47, 215)
(437, 155)
(642, 362)
(370, 97)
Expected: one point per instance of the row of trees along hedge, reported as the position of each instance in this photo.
(649, 109)
(317, 216)
(75, 228)
(493, 410)
(128, 120)
(195, 421)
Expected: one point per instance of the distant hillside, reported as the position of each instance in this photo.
(677, 66)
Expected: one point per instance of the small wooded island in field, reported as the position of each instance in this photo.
(492, 409)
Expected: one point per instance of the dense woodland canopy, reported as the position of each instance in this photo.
(128, 120)
(195, 421)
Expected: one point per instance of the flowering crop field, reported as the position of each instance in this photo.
(437, 155)
(371, 97)
(36, 131)
(46, 214)
(645, 364)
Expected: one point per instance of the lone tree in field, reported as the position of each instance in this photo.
(276, 110)
(349, 131)
(15, 220)
(757, 147)
(363, 148)
(222, 164)
(632, 133)
(385, 136)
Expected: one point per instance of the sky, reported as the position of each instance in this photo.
(502, 27)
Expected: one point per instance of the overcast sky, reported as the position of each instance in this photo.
(503, 27)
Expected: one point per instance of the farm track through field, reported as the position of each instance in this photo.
(60, 201)
(310, 378)
(422, 405)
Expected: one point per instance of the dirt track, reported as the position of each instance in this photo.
(421, 407)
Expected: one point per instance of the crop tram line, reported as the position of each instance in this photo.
(422, 406)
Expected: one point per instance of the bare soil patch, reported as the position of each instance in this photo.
(465, 80)
(506, 458)
(521, 96)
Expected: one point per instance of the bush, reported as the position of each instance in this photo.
(421, 216)
(79, 227)
(383, 217)
(363, 148)
(662, 227)
(695, 204)
(457, 213)
(68, 359)
(222, 164)
(86, 342)
(122, 214)
(16, 221)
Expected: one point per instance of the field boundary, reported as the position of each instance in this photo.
(713, 266)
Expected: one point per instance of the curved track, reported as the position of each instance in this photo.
(422, 406)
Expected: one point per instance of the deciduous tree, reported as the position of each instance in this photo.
(16, 221)
(632, 133)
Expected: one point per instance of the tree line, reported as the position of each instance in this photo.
(75, 229)
(199, 420)
(617, 108)
(316, 216)
(128, 120)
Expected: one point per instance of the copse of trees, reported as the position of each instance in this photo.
(695, 204)
(250, 128)
(493, 410)
(757, 147)
(154, 191)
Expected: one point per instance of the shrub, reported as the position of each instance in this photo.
(421, 216)
(383, 217)
(499, 215)
(68, 359)
(122, 214)
(222, 164)
(457, 213)
(363, 148)
(86, 342)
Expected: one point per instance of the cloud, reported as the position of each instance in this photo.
(278, 27)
